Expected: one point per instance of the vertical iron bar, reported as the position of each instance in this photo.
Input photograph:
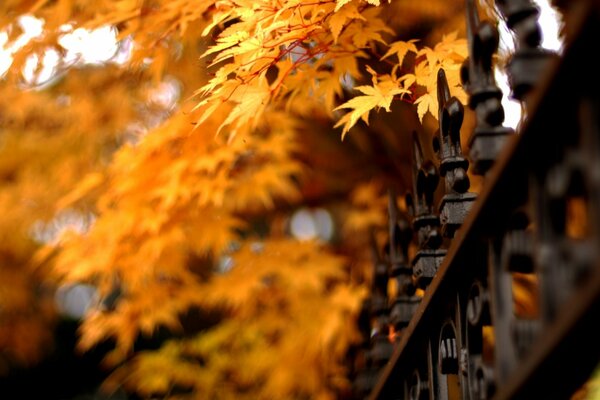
(530, 60)
(485, 97)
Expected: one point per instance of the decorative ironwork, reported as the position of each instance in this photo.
(485, 97)
(425, 222)
(526, 259)
(530, 61)
(383, 319)
(378, 348)
(400, 233)
(366, 373)
(474, 368)
(457, 201)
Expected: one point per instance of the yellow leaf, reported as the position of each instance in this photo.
(401, 49)
(251, 100)
(227, 41)
(341, 17)
(90, 182)
(425, 77)
(340, 3)
(379, 95)
(427, 102)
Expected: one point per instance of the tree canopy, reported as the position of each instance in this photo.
(165, 176)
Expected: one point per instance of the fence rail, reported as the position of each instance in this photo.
(536, 222)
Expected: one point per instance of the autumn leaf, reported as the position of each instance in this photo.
(90, 182)
(449, 55)
(380, 95)
(426, 103)
(401, 49)
(339, 19)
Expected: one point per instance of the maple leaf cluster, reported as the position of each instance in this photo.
(161, 194)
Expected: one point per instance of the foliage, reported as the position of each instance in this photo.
(163, 192)
(296, 305)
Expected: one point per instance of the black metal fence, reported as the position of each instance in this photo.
(533, 231)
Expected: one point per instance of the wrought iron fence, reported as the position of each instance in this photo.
(534, 228)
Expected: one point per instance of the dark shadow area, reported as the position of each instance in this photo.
(64, 374)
